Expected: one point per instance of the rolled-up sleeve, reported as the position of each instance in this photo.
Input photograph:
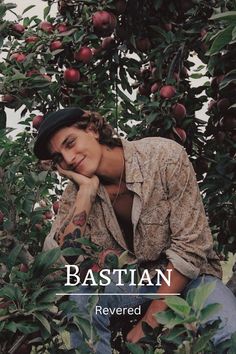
(191, 238)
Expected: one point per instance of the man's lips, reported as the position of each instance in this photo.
(79, 163)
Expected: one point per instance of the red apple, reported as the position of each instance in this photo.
(37, 120)
(31, 39)
(1, 217)
(104, 22)
(167, 91)
(48, 214)
(203, 32)
(108, 43)
(46, 26)
(55, 45)
(84, 54)
(71, 76)
(24, 268)
(38, 227)
(180, 133)
(8, 98)
(168, 26)
(55, 206)
(47, 77)
(32, 72)
(19, 57)
(211, 105)
(229, 122)
(62, 27)
(155, 87)
(179, 111)
(17, 27)
(143, 44)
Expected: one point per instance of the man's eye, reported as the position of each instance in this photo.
(70, 143)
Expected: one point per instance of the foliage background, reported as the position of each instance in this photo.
(140, 48)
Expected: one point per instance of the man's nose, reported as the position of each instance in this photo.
(69, 158)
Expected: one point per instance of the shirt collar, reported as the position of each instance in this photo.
(133, 171)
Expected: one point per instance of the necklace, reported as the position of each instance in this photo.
(121, 175)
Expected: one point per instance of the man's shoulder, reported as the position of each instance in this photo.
(158, 147)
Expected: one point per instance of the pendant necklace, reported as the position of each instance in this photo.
(121, 175)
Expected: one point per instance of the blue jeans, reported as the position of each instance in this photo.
(221, 294)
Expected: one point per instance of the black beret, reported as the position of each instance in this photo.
(51, 123)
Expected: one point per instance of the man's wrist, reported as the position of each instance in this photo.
(157, 306)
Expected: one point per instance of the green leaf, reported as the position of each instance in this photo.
(196, 75)
(18, 77)
(174, 335)
(229, 78)
(72, 252)
(201, 294)
(202, 342)
(92, 302)
(46, 11)
(11, 326)
(221, 40)
(134, 348)
(44, 260)
(27, 327)
(84, 325)
(164, 317)
(178, 305)
(27, 9)
(42, 319)
(13, 255)
(225, 16)
(209, 310)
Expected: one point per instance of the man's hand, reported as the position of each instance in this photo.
(136, 332)
(91, 183)
(178, 283)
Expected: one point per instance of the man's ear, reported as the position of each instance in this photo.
(92, 129)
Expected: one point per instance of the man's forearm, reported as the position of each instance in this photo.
(74, 226)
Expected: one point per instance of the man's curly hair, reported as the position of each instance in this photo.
(107, 134)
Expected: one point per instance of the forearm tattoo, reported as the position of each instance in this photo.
(77, 220)
(80, 219)
(70, 239)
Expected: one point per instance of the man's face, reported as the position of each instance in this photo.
(76, 149)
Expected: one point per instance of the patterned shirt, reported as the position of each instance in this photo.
(168, 216)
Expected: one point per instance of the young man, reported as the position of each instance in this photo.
(141, 196)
